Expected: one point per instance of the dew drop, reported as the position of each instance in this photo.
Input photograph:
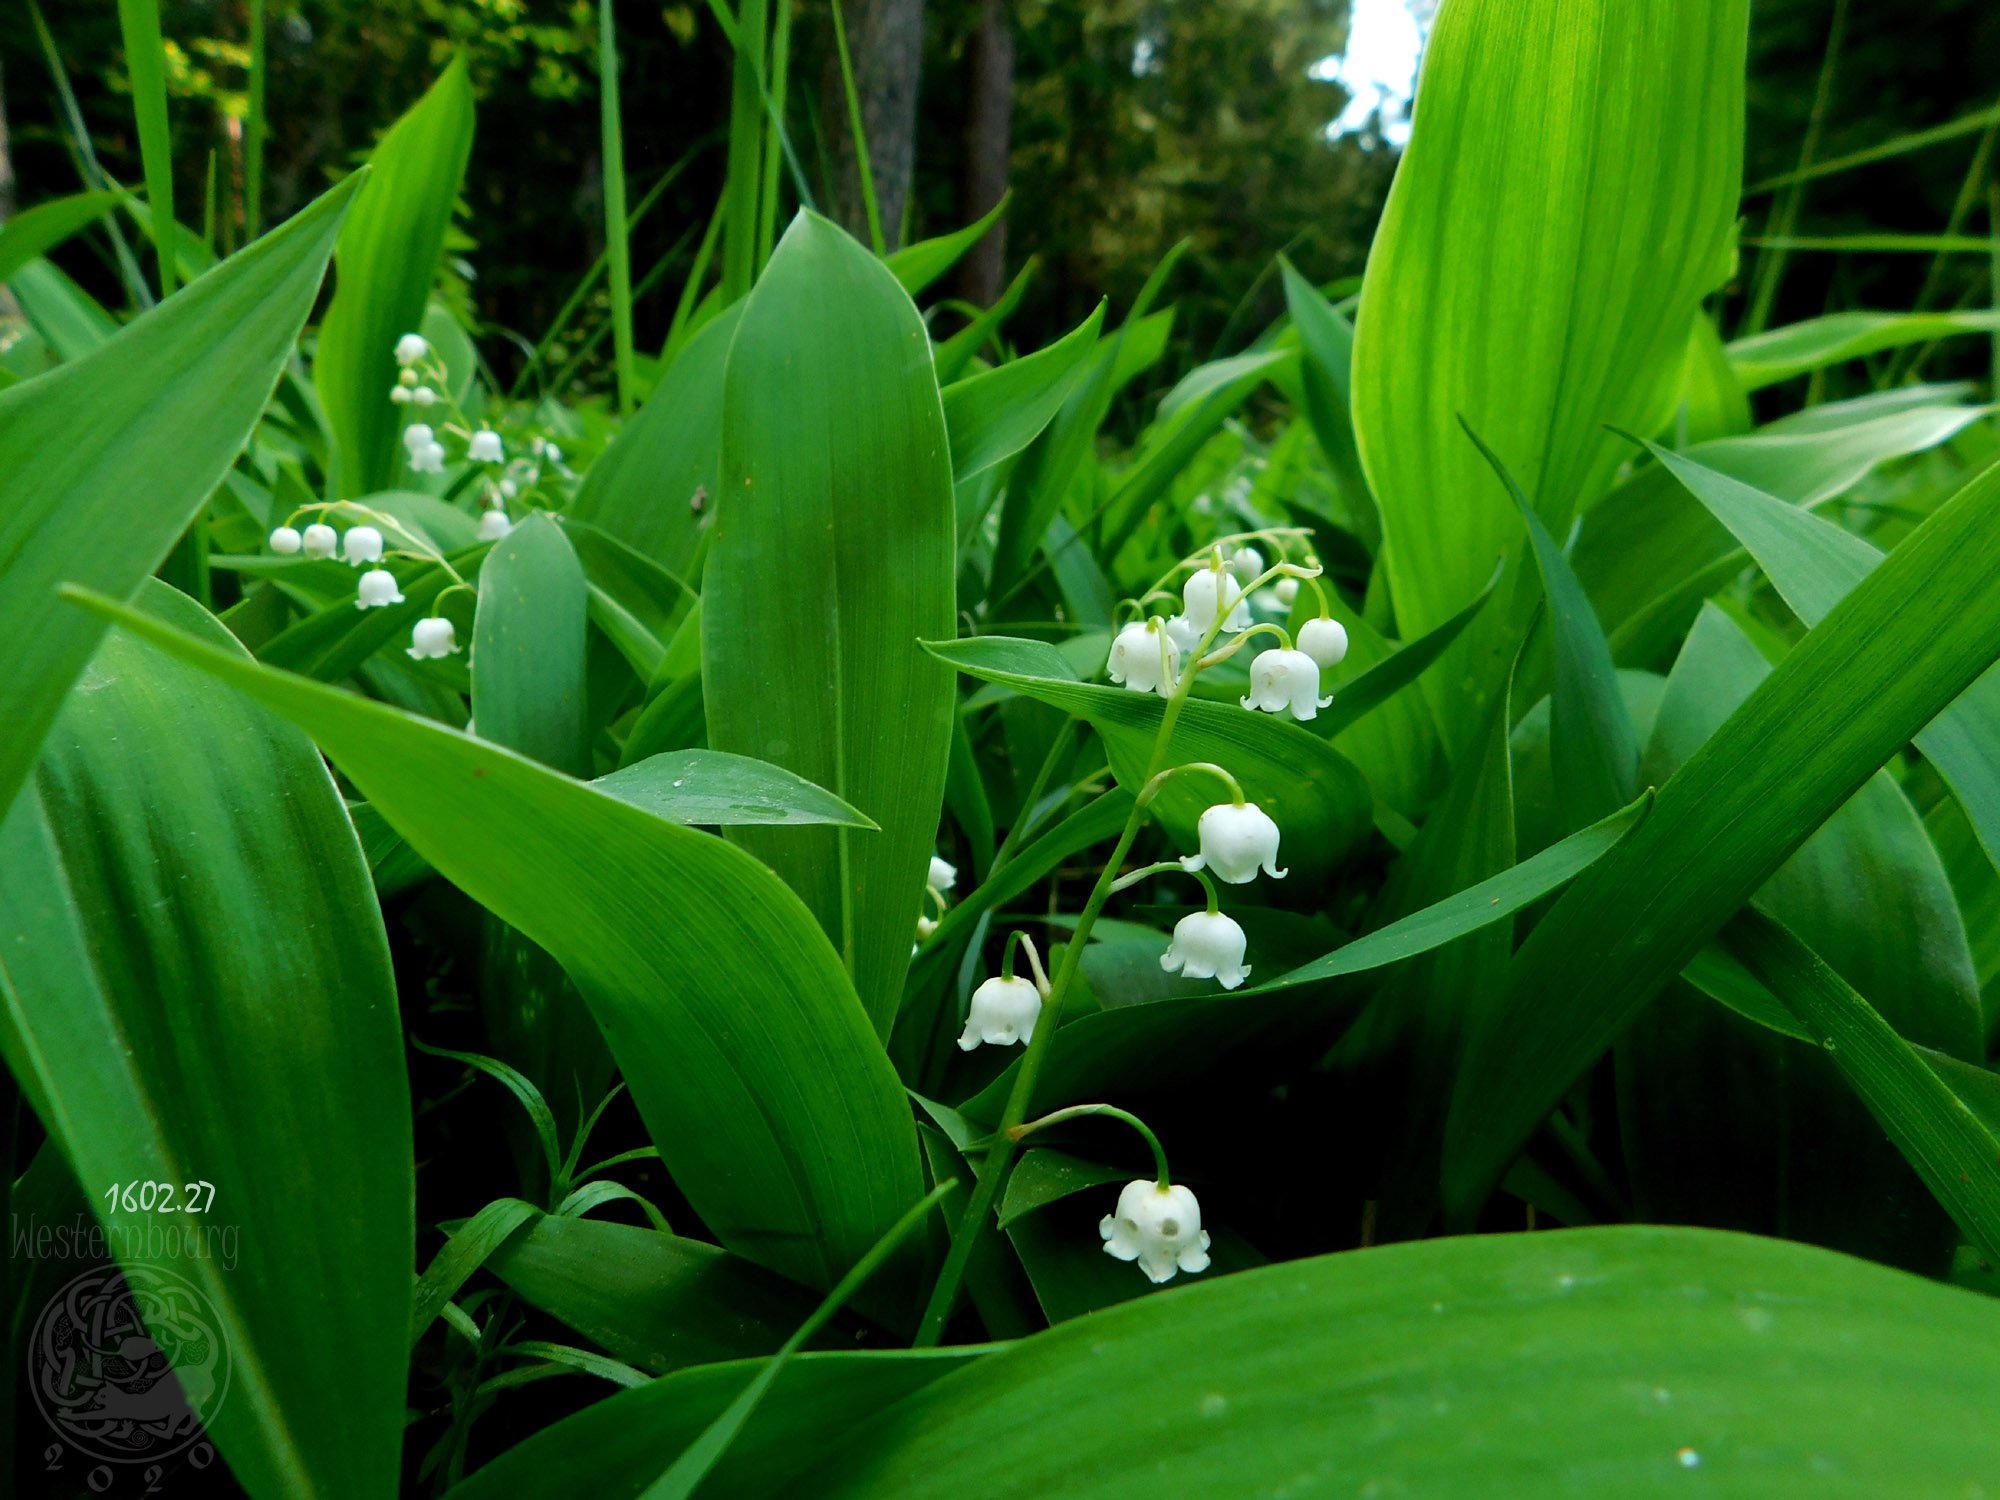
(1688, 1458)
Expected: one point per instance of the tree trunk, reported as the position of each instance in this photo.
(885, 38)
(989, 118)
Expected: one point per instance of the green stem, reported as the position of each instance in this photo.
(1000, 1156)
(1077, 1111)
(1152, 788)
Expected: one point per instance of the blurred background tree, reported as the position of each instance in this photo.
(1120, 127)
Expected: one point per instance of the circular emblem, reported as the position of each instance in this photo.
(128, 1364)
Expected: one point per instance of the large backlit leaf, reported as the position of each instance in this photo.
(1565, 201)
(1902, 645)
(383, 269)
(830, 559)
(105, 461)
(1800, 348)
(198, 988)
(731, 1019)
(1579, 1364)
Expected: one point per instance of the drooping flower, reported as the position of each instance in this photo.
(484, 448)
(1325, 641)
(1181, 631)
(286, 541)
(1004, 1011)
(1235, 843)
(410, 348)
(493, 525)
(320, 540)
(433, 637)
(377, 589)
(400, 395)
(1159, 1227)
(1246, 564)
(1209, 593)
(943, 875)
(428, 459)
(1281, 680)
(423, 395)
(418, 435)
(1135, 659)
(1207, 945)
(361, 545)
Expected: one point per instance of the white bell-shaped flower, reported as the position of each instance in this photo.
(1159, 1227)
(361, 546)
(1209, 593)
(418, 436)
(1325, 641)
(1235, 843)
(1003, 1012)
(485, 448)
(377, 589)
(434, 636)
(320, 540)
(943, 874)
(399, 394)
(410, 348)
(423, 395)
(1246, 564)
(1281, 680)
(428, 459)
(1207, 945)
(286, 541)
(1136, 659)
(493, 525)
(554, 453)
(1287, 591)
(1181, 631)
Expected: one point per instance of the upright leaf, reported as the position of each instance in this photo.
(105, 460)
(832, 556)
(197, 988)
(1565, 201)
(387, 259)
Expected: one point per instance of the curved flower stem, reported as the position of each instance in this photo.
(451, 588)
(1076, 1111)
(1000, 1156)
(1243, 640)
(1152, 788)
(1208, 885)
(1325, 603)
(1132, 877)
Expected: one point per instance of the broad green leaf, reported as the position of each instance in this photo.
(1800, 348)
(1905, 642)
(712, 788)
(1662, 1361)
(1149, 1046)
(740, 1037)
(1814, 564)
(1318, 798)
(1953, 1150)
(653, 488)
(1591, 151)
(105, 460)
(386, 261)
(198, 989)
(832, 556)
(615, 1448)
(38, 230)
(654, 1300)
(995, 414)
(528, 689)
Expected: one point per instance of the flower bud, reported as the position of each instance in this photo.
(1287, 591)
(286, 541)
(423, 395)
(1207, 945)
(1325, 641)
(410, 348)
(493, 525)
(943, 876)
(400, 395)
(320, 540)
(1246, 564)
(361, 545)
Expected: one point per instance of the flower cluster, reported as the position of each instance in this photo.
(364, 546)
